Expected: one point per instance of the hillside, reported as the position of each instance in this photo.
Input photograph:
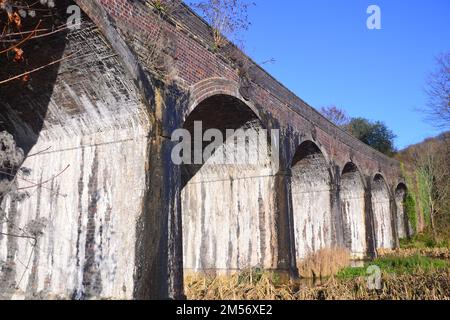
(426, 166)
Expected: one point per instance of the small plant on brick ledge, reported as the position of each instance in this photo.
(159, 6)
(164, 7)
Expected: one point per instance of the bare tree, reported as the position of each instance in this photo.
(336, 115)
(438, 92)
(20, 22)
(228, 18)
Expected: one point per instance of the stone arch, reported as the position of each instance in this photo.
(226, 201)
(311, 200)
(381, 208)
(402, 219)
(352, 196)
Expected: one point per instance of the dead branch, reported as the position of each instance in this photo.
(46, 181)
(21, 42)
(35, 70)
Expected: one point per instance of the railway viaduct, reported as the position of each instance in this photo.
(114, 217)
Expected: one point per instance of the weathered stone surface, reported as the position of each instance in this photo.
(89, 150)
(353, 211)
(311, 194)
(384, 233)
(401, 218)
(228, 212)
(88, 234)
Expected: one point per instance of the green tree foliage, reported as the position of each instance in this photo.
(410, 201)
(375, 134)
(410, 209)
(424, 179)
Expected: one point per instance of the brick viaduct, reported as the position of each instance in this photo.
(117, 219)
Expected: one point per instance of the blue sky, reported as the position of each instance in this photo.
(326, 55)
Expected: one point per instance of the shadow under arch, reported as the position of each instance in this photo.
(352, 196)
(381, 208)
(311, 200)
(403, 226)
(226, 200)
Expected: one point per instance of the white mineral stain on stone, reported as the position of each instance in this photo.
(401, 219)
(382, 215)
(353, 210)
(228, 213)
(121, 160)
(311, 200)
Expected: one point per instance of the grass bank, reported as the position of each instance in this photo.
(398, 265)
(424, 241)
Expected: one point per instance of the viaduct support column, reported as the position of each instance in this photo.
(159, 252)
(394, 217)
(369, 221)
(336, 210)
(285, 224)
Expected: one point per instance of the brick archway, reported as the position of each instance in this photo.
(211, 87)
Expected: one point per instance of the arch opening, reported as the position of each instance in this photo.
(227, 203)
(311, 199)
(402, 218)
(381, 208)
(352, 198)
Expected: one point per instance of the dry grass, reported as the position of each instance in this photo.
(248, 286)
(423, 286)
(431, 283)
(426, 286)
(324, 263)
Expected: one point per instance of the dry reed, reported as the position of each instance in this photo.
(422, 286)
(324, 263)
